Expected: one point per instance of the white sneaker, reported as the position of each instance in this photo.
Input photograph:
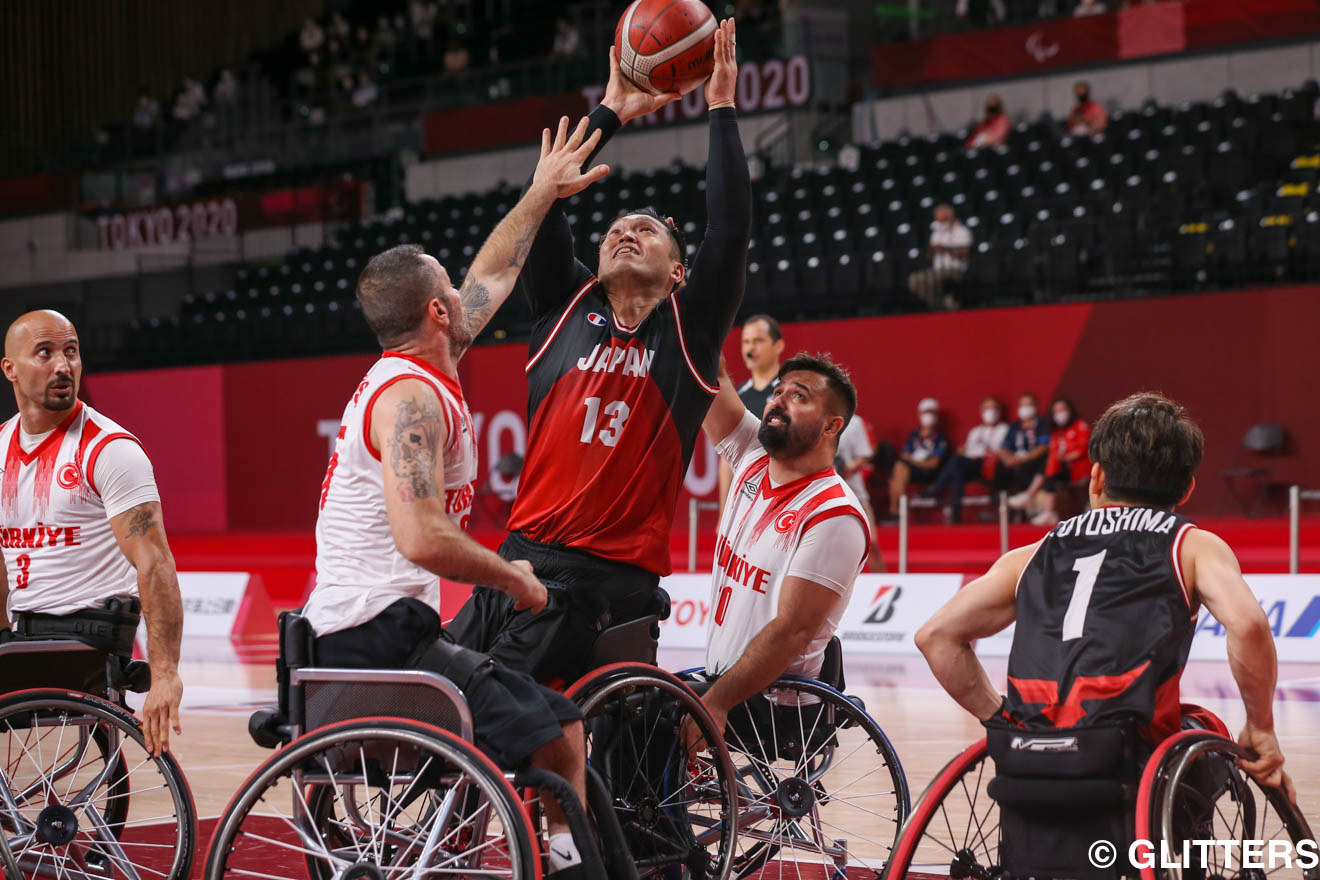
(1044, 518)
(1020, 501)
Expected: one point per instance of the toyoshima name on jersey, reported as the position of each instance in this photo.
(1107, 520)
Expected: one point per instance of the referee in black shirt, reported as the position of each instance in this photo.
(762, 348)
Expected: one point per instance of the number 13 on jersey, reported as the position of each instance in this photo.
(615, 413)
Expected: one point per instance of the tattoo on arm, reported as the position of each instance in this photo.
(523, 245)
(476, 303)
(142, 521)
(414, 447)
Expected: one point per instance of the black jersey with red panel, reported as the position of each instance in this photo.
(613, 412)
(1104, 623)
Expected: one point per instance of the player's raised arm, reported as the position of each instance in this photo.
(978, 610)
(552, 274)
(718, 276)
(559, 174)
(140, 533)
(1214, 576)
(726, 410)
(409, 428)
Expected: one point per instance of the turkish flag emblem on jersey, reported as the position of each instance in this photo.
(69, 476)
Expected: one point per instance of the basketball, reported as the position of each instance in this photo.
(666, 45)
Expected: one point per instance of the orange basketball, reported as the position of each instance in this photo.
(666, 45)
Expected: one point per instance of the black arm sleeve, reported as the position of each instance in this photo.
(714, 290)
(551, 273)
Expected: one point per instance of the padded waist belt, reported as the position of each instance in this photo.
(111, 629)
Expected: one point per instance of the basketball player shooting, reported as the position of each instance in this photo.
(622, 370)
(1106, 604)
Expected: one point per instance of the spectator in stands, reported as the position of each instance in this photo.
(1027, 443)
(919, 462)
(981, 13)
(853, 460)
(311, 37)
(457, 57)
(146, 113)
(1090, 7)
(1050, 494)
(338, 28)
(568, 40)
(365, 91)
(384, 41)
(423, 14)
(950, 243)
(1087, 117)
(975, 461)
(190, 100)
(226, 88)
(993, 128)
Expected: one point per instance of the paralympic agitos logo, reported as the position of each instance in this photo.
(882, 606)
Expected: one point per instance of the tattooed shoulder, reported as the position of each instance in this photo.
(415, 446)
(141, 520)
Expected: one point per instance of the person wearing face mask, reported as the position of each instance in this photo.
(919, 462)
(993, 128)
(950, 244)
(976, 460)
(1087, 117)
(1027, 443)
(1067, 466)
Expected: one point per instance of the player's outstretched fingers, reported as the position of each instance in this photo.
(586, 147)
(546, 142)
(579, 131)
(562, 134)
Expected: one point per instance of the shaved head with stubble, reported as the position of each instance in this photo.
(43, 361)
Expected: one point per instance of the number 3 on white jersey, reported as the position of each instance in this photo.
(616, 411)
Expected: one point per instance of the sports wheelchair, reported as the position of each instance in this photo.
(376, 775)
(802, 781)
(1033, 803)
(80, 795)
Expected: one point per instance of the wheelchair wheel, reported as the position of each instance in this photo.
(820, 786)
(1194, 790)
(80, 795)
(677, 815)
(953, 831)
(371, 798)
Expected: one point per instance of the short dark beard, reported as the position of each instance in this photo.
(773, 438)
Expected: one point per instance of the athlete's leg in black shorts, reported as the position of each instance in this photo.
(513, 716)
(587, 595)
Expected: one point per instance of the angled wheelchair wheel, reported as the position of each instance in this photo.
(677, 815)
(81, 797)
(820, 786)
(1193, 790)
(953, 831)
(372, 798)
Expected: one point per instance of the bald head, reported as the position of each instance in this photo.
(38, 323)
(43, 361)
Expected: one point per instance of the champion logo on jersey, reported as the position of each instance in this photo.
(786, 521)
(69, 476)
(596, 318)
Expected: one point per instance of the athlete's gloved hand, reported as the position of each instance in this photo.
(527, 592)
(1267, 768)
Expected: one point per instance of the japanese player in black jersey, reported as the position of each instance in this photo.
(622, 366)
(1106, 604)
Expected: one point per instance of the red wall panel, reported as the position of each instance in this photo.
(237, 448)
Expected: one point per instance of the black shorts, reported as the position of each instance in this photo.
(513, 716)
(587, 594)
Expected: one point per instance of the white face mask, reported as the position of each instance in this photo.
(990, 416)
(1026, 411)
(1061, 419)
(928, 419)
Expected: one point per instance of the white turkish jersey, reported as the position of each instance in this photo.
(801, 529)
(60, 550)
(359, 570)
